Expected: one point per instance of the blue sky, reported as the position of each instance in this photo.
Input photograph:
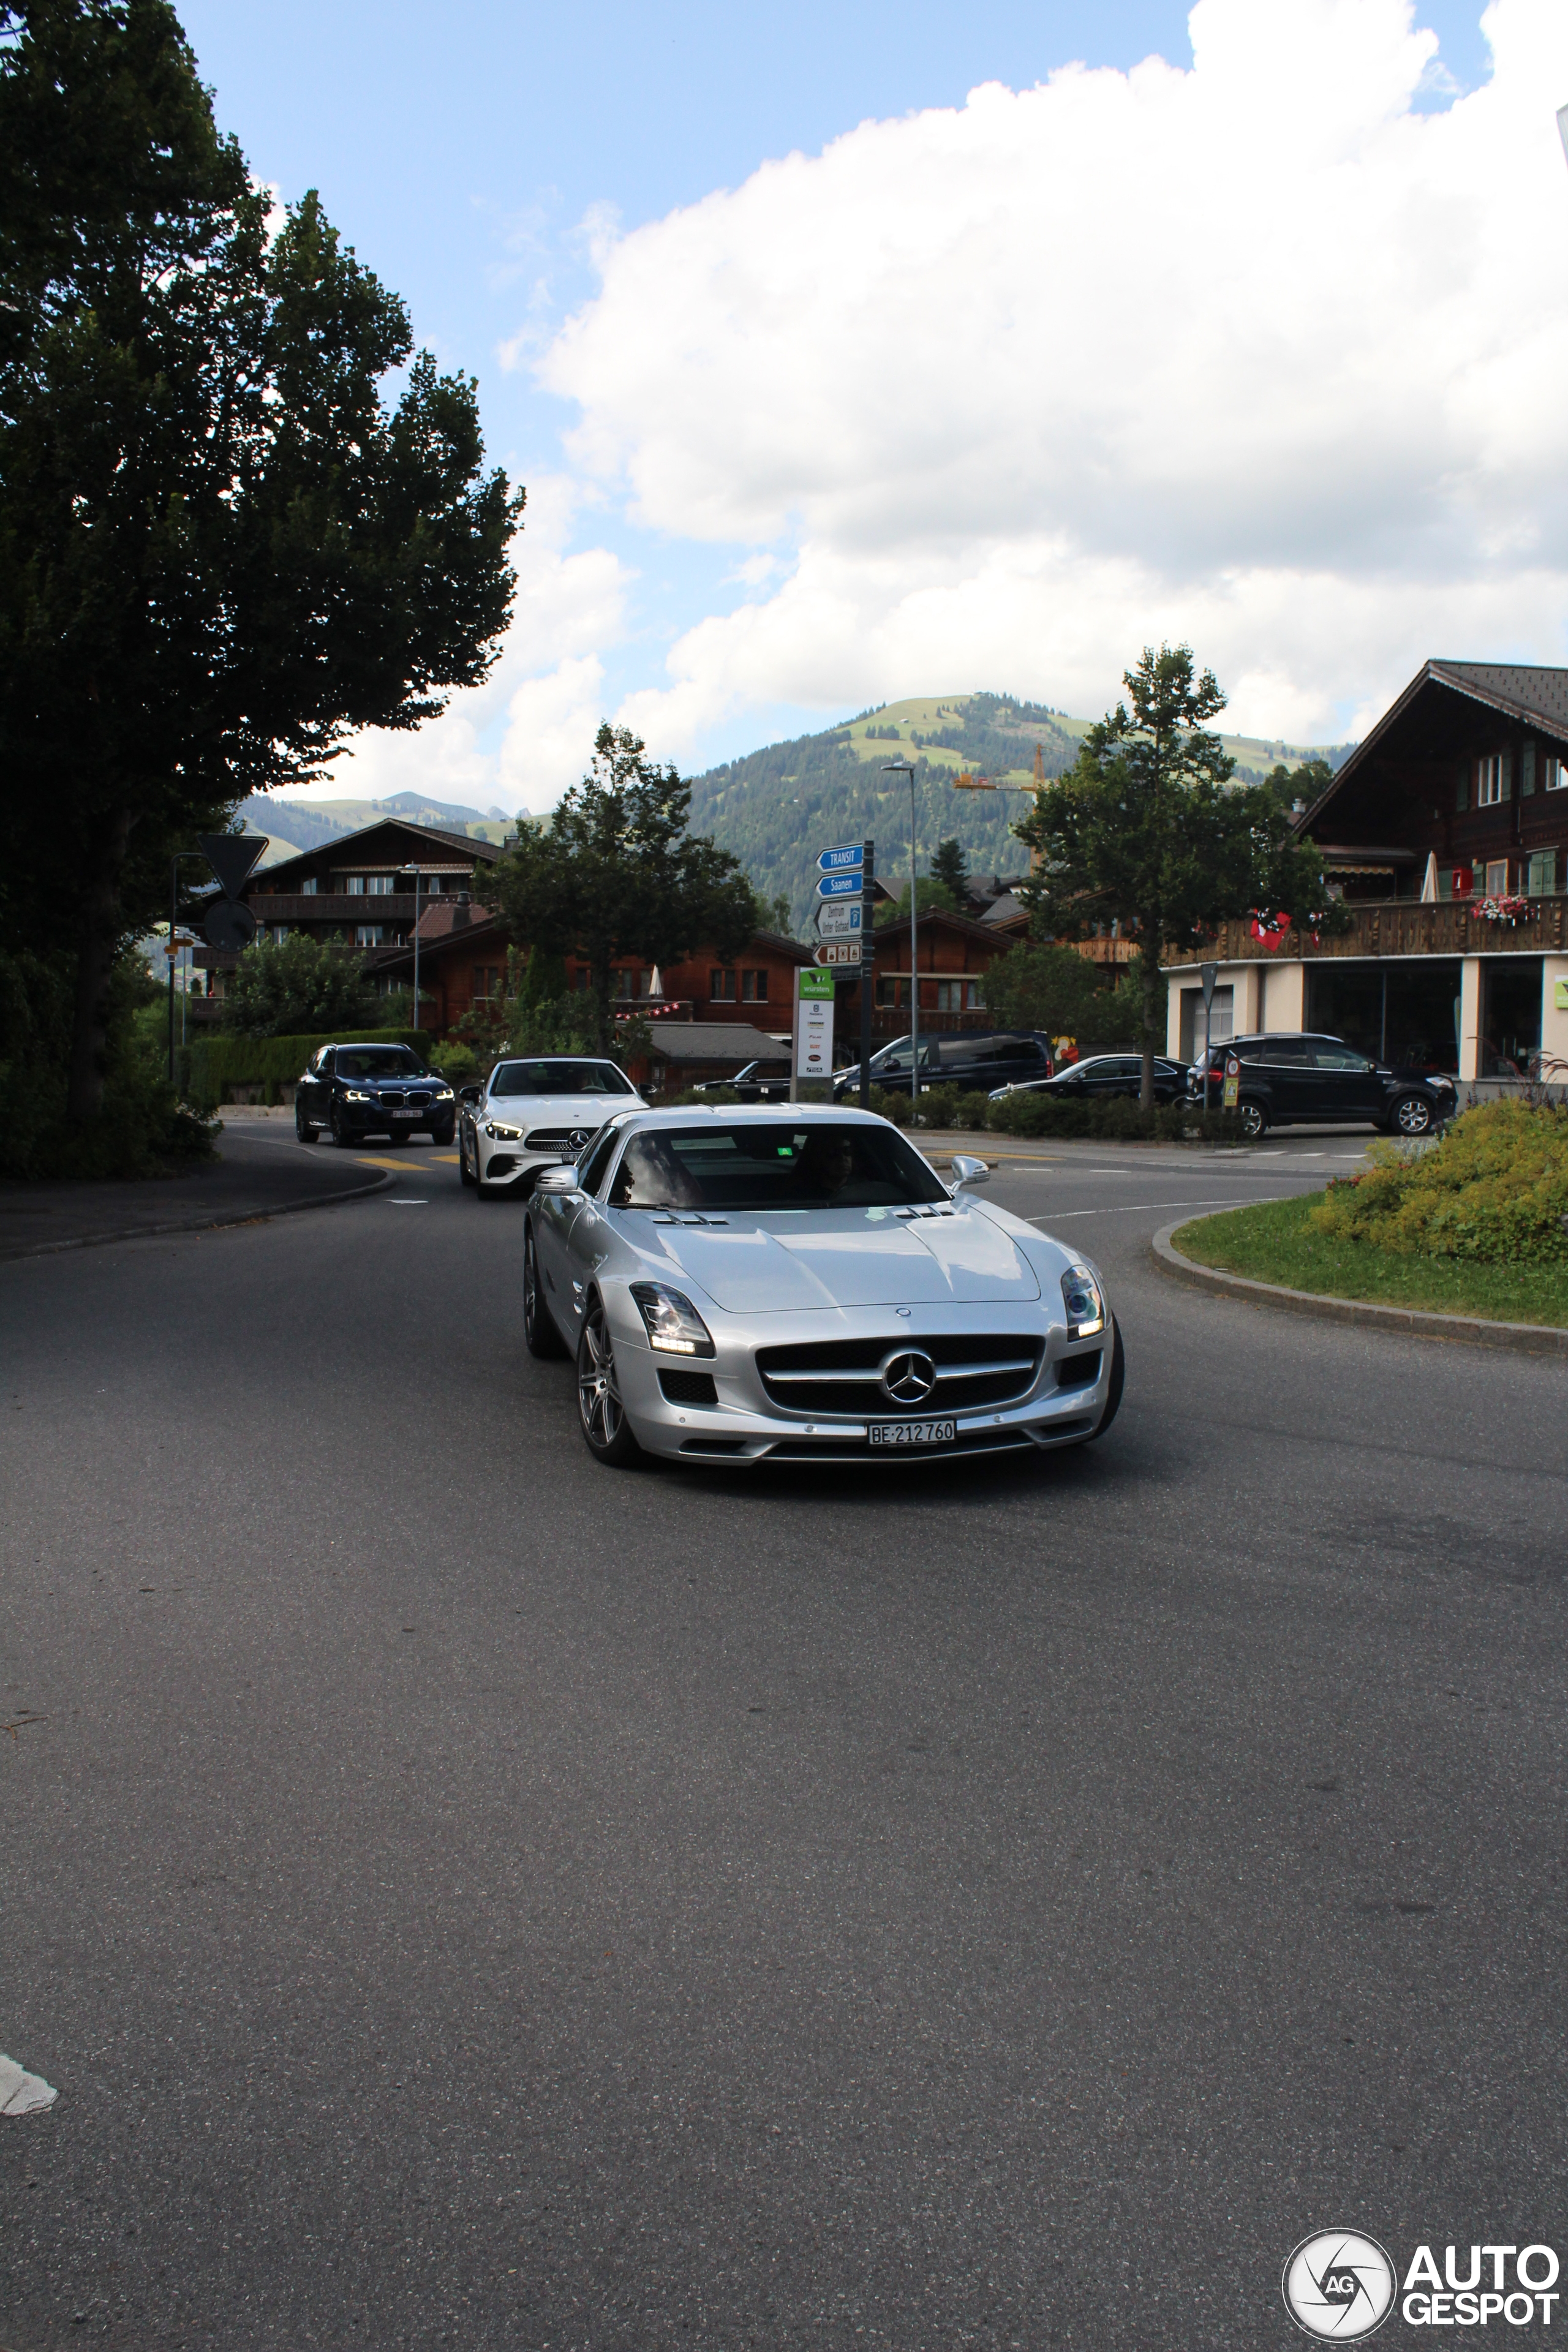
(463, 149)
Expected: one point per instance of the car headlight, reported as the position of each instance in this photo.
(357, 1094)
(674, 1327)
(443, 1093)
(1085, 1305)
(499, 1134)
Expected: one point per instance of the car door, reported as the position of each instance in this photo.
(585, 1236)
(1281, 1068)
(1015, 1062)
(1345, 1084)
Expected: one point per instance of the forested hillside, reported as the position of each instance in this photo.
(777, 808)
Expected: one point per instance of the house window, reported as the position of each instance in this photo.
(369, 935)
(355, 885)
(1490, 778)
(892, 987)
(309, 887)
(631, 983)
(378, 885)
(1542, 881)
(722, 988)
(753, 987)
(279, 933)
(487, 981)
(1556, 774)
(957, 995)
(1497, 877)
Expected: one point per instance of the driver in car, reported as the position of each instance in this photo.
(650, 1177)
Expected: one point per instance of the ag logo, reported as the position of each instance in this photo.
(1339, 2285)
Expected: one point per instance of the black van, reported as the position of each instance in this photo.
(978, 1062)
(1287, 1077)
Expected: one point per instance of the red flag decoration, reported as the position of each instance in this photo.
(1270, 929)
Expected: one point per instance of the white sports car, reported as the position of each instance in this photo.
(533, 1114)
(797, 1283)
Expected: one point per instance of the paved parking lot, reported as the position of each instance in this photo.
(465, 1896)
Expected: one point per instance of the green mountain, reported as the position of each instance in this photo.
(292, 825)
(777, 808)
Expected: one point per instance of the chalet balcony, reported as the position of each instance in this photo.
(1400, 927)
(335, 907)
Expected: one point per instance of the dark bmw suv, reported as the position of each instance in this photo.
(1285, 1079)
(353, 1091)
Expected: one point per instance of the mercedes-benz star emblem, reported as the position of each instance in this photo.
(580, 1138)
(909, 1376)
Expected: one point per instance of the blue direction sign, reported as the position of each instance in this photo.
(840, 861)
(839, 886)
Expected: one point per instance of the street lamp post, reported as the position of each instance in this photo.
(903, 768)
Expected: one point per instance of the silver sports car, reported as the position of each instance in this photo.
(797, 1283)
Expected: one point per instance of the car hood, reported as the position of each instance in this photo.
(837, 1258)
(559, 1110)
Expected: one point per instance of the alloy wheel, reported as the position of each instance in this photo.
(1413, 1116)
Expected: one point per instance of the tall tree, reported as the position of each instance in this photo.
(1145, 833)
(951, 865)
(617, 873)
(220, 550)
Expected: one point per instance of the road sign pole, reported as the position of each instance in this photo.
(868, 965)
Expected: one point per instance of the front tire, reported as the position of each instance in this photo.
(1411, 1116)
(606, 1431)
(1254, 1120)
(339, 1133)
(442, 1137)
(538, 1333)
(303, 1131)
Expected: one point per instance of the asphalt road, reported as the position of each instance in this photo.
(467, 1897)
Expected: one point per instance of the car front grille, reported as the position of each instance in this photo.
(548, 1138)
(838, 1378)
(399, 1098)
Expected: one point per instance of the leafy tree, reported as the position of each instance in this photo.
(950, 866)
(930, 893)
(1143, 832)
(617, 875)
(1040, 986)
(774, 914)
(1300, 783)
(297, 987)
(220, 550)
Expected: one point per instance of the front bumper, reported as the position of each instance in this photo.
(744, 1426)
(507, 1167)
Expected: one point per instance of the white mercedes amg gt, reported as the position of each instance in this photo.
(797, 1283)
(533, 1114)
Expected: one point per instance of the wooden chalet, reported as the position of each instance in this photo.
(1446, 834)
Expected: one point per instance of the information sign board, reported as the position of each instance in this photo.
(813, 1026)
(841, 952)
(838, 918)
(850, 853)
(1232, 1081)
(839, 886)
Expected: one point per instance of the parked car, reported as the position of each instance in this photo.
(1290, 1076)
(353, 1091)
(1104, 1075)
(758, 1082)
(535, 1113)
(977, 1061)
(797, 1284)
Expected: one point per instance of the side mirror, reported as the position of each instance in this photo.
(968, 1171)
(468, 1094)
(557, 1179)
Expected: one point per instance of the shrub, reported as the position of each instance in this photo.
(691, 1097)
(214, 1065)
(290, 987)
(458, 1064)
(1120, 1118)
(947, 1106)
(142, 1129)
(1494, 1188)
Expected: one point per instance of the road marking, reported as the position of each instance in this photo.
(1130, 1208)
(447, 1158)
(407, 1201)
(403, 1167)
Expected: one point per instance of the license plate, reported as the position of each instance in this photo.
(405, 1114)
(912, 1432)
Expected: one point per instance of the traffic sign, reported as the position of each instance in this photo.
(838, 861)
(839, 951)
(838, 918)
(231, 856)
(839, 886)
(228, 925)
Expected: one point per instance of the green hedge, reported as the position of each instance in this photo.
(211, 1067)
(1028, 1114)
(1494, 1188)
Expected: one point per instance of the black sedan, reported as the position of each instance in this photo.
(758, 1082)
(1287, 1077)
(353, 1091)
(1104, 1075)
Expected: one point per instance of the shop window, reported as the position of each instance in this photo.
(721, 987)
(1491, 776)
(753, 988)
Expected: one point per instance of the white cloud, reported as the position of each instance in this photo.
(1257, 355)
(543, 695)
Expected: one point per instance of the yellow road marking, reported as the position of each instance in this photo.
(403, 1167)
(447, 1158)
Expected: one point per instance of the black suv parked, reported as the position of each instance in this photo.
(359, 1090)
(978, 1062)
(1287, 1077)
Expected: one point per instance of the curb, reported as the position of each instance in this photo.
(1518, 1338)
(199, 1225)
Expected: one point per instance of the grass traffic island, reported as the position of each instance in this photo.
(1274, 1243)
(1475, 1226)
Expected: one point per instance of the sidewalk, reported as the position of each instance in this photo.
(247, 1180)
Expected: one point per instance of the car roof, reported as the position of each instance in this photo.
(759, 1115)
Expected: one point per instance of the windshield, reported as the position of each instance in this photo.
(558, 1078)
(776, 1166)
(379, 1062)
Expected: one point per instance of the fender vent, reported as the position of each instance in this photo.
(687, 1388)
